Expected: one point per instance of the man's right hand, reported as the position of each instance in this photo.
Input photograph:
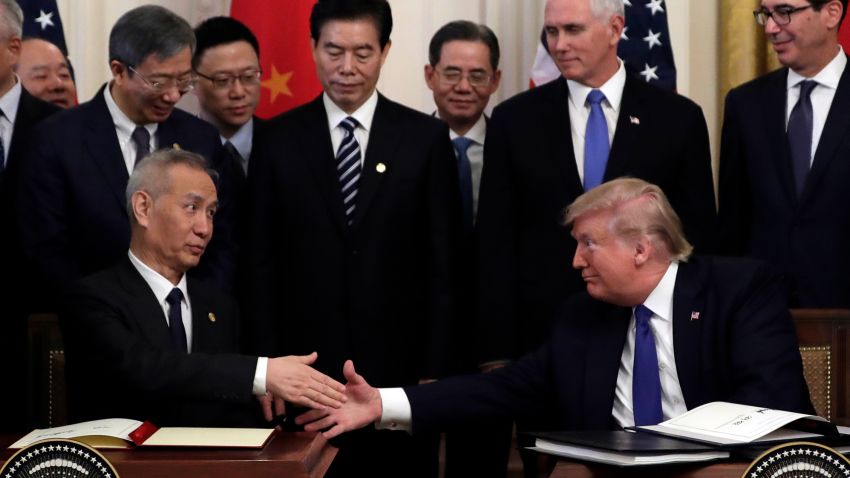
(362, 408)
(292, 379)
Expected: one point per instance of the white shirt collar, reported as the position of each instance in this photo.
(477, 133)
(612, 89)
(829, 76)
(121, 121)
(160, 286)
(9, 102)
(660, 300)
(363, 115)
(242, 139)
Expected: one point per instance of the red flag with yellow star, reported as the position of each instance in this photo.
(283, 30)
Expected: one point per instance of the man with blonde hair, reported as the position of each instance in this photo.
(653, 337)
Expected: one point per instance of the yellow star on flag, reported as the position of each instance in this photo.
(278, 84)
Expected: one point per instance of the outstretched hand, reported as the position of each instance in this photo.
(362, 408)
(292, 379)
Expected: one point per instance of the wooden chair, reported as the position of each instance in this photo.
(47, 406)
(824, 337)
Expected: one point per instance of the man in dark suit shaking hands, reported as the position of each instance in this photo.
(143, 341)
(785, 155)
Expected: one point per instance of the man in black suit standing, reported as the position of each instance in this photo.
(19, 112)
(784, 166)
(70, 203)
(354, 228)
(657, 333)
(143, 341)
(548, 145)
(227, 62)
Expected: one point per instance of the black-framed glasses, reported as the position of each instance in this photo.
(476, 78)
(184, 84)
(224, 81)
(781, 14)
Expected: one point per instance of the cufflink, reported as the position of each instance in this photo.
(211, 317)
(380, 167)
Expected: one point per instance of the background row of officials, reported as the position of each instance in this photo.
(391, 272)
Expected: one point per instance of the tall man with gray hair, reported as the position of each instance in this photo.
(71, 199)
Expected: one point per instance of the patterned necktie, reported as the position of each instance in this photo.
(646, 384)
(236, 158)
(142, 139)
(800, 135)
(348, 167)
(175, 320)
(464, 172)
(596, 145)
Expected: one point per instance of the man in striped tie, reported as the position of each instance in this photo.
(354, 230)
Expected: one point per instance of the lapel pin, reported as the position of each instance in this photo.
(694, 315)
(211, 316)
(380, 167)
(635, 120)
(176, 146)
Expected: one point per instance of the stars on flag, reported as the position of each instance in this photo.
(644, 44)
(45, 19)
(277, 84)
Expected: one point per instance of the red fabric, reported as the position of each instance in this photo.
(844, 35)
(283, 30)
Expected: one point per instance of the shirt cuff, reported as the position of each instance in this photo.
(260, 376)
(396, 414)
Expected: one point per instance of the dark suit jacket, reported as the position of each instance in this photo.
(760, 213)
(121, 362)
(381, 291)
(530, 176)
(741, 349)
(71, 202)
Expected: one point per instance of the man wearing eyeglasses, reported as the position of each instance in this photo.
(784, 169)
(71, 197)
(227, 62)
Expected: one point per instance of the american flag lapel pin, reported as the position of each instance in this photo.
(634, 120)
(694, 315)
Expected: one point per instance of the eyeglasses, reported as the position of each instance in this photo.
(184, 84)
(781, 15)
(475, 78)
(225, 81)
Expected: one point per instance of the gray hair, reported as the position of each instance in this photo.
(149, 30)
(605, 9)
(151, 173)
(12, 18)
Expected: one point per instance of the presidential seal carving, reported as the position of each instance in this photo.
(799, 460)
(57, 458)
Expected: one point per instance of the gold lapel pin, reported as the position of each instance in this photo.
(380, 167)
(211, 316)
(178, 148)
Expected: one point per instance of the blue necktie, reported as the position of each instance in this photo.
(175, 320)
(800, 135)
(646, 384)
(464, 172)
(348, 167)
(596, 145)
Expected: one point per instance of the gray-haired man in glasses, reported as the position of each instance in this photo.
(784, 165)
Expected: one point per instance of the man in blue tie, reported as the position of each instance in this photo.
(658, 333)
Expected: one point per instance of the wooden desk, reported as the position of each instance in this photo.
(572, 469)
(298, 455)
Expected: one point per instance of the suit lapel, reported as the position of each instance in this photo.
(688, 316)
(317, 151)
(558, 130)
(384, 137)
(202, 317)
(772, 103)
(148, 313)
(604, 350)
(622, 148)
(836, 129)
(101, 145)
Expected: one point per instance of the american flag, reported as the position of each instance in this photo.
(644, 47)
(41, 20)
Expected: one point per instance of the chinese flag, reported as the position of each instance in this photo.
(844, 35)
(283, 30)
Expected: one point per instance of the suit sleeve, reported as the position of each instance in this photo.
(735, 212)
(101, 338)
(495, 247)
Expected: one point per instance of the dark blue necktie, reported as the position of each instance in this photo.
(175, 320)
(596, 145)
(464, 172)
(800, 135)
(348, 166)
(2, 149)
(646, 384)
(142, 139)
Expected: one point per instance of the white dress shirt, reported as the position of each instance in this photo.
(475, 153)
(243, 141)
(822, 95)
(363, 115)
(580, 111)
(9, 104)
(161, 287)
(124, 127)
(660, 302)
